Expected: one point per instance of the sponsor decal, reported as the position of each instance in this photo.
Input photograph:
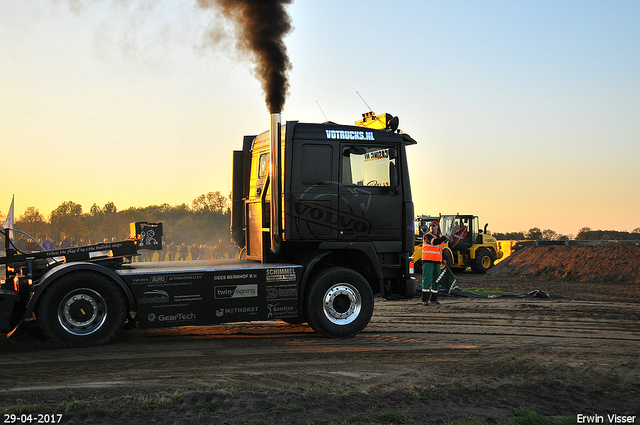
(177, 317)
(144, 279)
(157, 296)
(277, 310)
(187, 298)
(243, 276)
(375, 155)
(86, 249)
(289, 291)
(281, 275)
(235, 291)
(178, 278)
(147, 237)
(158, 279)
(272, 292)
(236, 310)
(350, 135)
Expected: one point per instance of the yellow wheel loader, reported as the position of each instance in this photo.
(468, 245)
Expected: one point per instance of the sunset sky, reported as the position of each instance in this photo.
(526, 113)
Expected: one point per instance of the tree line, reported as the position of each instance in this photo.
(206, 220)
(585, 234)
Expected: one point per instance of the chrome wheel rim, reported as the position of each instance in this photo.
(82, 311)
(342, 304)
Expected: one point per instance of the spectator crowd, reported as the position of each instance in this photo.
(183, 252)
(170, 252)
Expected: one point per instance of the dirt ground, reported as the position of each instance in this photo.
(574, 353)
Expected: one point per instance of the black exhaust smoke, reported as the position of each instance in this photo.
(261, 26)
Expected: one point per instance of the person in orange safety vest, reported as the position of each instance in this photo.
(432, 248)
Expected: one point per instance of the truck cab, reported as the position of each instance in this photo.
(345, 201)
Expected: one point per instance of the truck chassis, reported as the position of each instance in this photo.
(84, 299)
(323, 213)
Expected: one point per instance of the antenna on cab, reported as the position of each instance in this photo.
(364, 101)
(325, 117)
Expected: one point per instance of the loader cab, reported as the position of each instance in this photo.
(421, 226)
(464, 231)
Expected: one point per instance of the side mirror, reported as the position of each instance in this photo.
(393, 178)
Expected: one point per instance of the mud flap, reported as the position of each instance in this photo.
(9, 315)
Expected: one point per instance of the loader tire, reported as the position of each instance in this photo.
(82, 309)
(483, 261)
(339, 303)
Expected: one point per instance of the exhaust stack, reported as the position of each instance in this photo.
(275, 176)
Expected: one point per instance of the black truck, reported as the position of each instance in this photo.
(324, 219)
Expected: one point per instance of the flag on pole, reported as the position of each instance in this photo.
(8, 223)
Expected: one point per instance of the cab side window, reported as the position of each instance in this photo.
(368, 166)
(263, 165)
(317, 165)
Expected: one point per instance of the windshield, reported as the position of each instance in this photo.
(447, 223)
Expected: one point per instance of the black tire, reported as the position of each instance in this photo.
(483, 261)
(82, 309)
(339, 303)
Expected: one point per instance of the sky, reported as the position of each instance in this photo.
(526, 113)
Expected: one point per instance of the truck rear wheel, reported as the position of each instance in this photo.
(483, 261)
(339, 303)
(82, 309)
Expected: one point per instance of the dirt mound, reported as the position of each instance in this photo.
(600, 264)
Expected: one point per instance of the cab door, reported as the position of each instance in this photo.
(370, 198)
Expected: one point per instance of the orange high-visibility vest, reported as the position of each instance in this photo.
(431, 252)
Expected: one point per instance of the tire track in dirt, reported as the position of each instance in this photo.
(520, 337)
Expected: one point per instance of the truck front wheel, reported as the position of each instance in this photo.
(82, 309)
(339, 303)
